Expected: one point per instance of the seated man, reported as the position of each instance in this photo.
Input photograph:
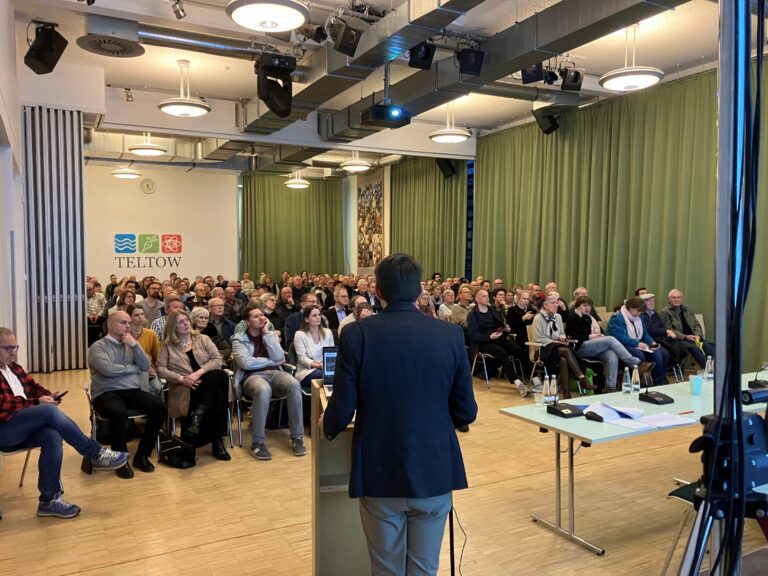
(653, 322)
(172, 304)
(339, 310)
(96, 305)
(258, 357)
(29, 418)
(233, 307)
(489, 334)
(220, 328)
(116, 362)
(353, 302)
(682, 321)
(461, 309)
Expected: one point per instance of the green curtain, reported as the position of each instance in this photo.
(429, 215)
(288, 229)
(621, 196)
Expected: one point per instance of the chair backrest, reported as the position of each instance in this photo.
(700, 318)
(601, 311)
(533, 351)
(604, 320)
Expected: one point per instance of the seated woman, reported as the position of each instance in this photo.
(199, 388)
(201, 322)
(627, 327)
(555, 352)
(125, 299)
(148, 341)
(488, 334)
(309, 342)
(593, 344)
(425, 306)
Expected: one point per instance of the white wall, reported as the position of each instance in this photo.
(198, 205)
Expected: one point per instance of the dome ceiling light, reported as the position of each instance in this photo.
(450, 134)
(631, 78)
(184, 106)
(268, 15)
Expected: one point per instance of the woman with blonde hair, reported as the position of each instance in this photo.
(198, 387)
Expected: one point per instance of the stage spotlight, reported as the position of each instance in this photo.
(545, 119)
(274, 84)
(347, 39)
(178, 9)
(532, 74)
(572, 79)
(471, 61)
(550, 77)
(319, 35)
(47, 48)
(421, 55)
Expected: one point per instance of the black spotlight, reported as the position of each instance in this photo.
(421, 56)
(274, 84)
(319, 35)
(46, 50)
(533, 73)
(550, 76)
(471, 61)
(347, 40)
(546, 121)
(572, 79)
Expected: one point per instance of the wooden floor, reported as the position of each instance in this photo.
(252, 517)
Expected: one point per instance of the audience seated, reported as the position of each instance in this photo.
(449, 298)
(688, 332)
(353, 303)
(336, 313)
(172, 304)
(220, 329)
(591, 343)
(627, 327)
(152, 303)
(286, 306)
(309, 342)
(233, 306)
(461, 309)
(200, 298)
(294, 321)
(425, 305)
(555, 352)
(654, 323)
(95, 306)
(198, 387)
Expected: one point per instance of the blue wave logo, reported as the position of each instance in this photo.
(125, 243)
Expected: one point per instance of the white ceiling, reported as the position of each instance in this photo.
(677, 41)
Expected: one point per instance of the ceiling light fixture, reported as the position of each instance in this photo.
(146, 148)
(178, 9)
(127, 173)
(450, 134)
(297, 182)
(631, 78)
(184, 106)
(355, 165)
(268, 15)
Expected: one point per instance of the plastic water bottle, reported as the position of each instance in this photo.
(626, 385)
(553, 390)
(635, 381)
(709, 369)
(546, 391)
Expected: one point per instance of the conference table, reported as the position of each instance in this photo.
(589, 432)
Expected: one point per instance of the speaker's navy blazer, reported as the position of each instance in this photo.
(408, 377)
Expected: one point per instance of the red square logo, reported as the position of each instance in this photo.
(170, 243)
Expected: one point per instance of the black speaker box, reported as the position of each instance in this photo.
(46, 50)
(446, 166)
(471, 61)
(547, 122)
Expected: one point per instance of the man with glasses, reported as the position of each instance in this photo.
(682, 321)
(30, 418)
(152, 304)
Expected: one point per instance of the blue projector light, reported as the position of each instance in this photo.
(385, 116)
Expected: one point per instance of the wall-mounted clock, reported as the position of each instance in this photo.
(148, 186)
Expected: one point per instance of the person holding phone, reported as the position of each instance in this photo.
(30, 418)
(627, 328)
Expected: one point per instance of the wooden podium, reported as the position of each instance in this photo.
(338, 543)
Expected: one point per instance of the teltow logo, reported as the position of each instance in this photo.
(143, 246)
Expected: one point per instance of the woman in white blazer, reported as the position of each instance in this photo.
(308, 343)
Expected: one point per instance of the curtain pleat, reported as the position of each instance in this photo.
(429, 215)
(290, 229)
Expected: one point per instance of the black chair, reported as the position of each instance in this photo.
(684, 493)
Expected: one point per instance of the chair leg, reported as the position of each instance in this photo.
(229, 426)
(485, 371)
(24, 470)
(239, 423)
(680, 528)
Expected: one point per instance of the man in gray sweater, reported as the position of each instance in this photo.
(117, 362)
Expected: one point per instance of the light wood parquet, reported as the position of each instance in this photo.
(252, 517)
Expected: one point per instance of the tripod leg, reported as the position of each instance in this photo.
(697, 544)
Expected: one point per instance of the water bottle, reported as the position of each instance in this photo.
(545, 391)
(709, 369)
(553, 390)
(626, 385)
(635, 380)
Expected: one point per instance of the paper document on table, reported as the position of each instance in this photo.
(632, 424)
(612, 413)
(666, 420)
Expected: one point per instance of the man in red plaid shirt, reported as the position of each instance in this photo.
(30, 418)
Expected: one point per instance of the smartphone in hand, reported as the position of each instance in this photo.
(59, 395)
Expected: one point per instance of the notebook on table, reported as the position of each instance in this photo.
(329, 368)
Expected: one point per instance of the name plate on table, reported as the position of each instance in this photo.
(564, 410)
